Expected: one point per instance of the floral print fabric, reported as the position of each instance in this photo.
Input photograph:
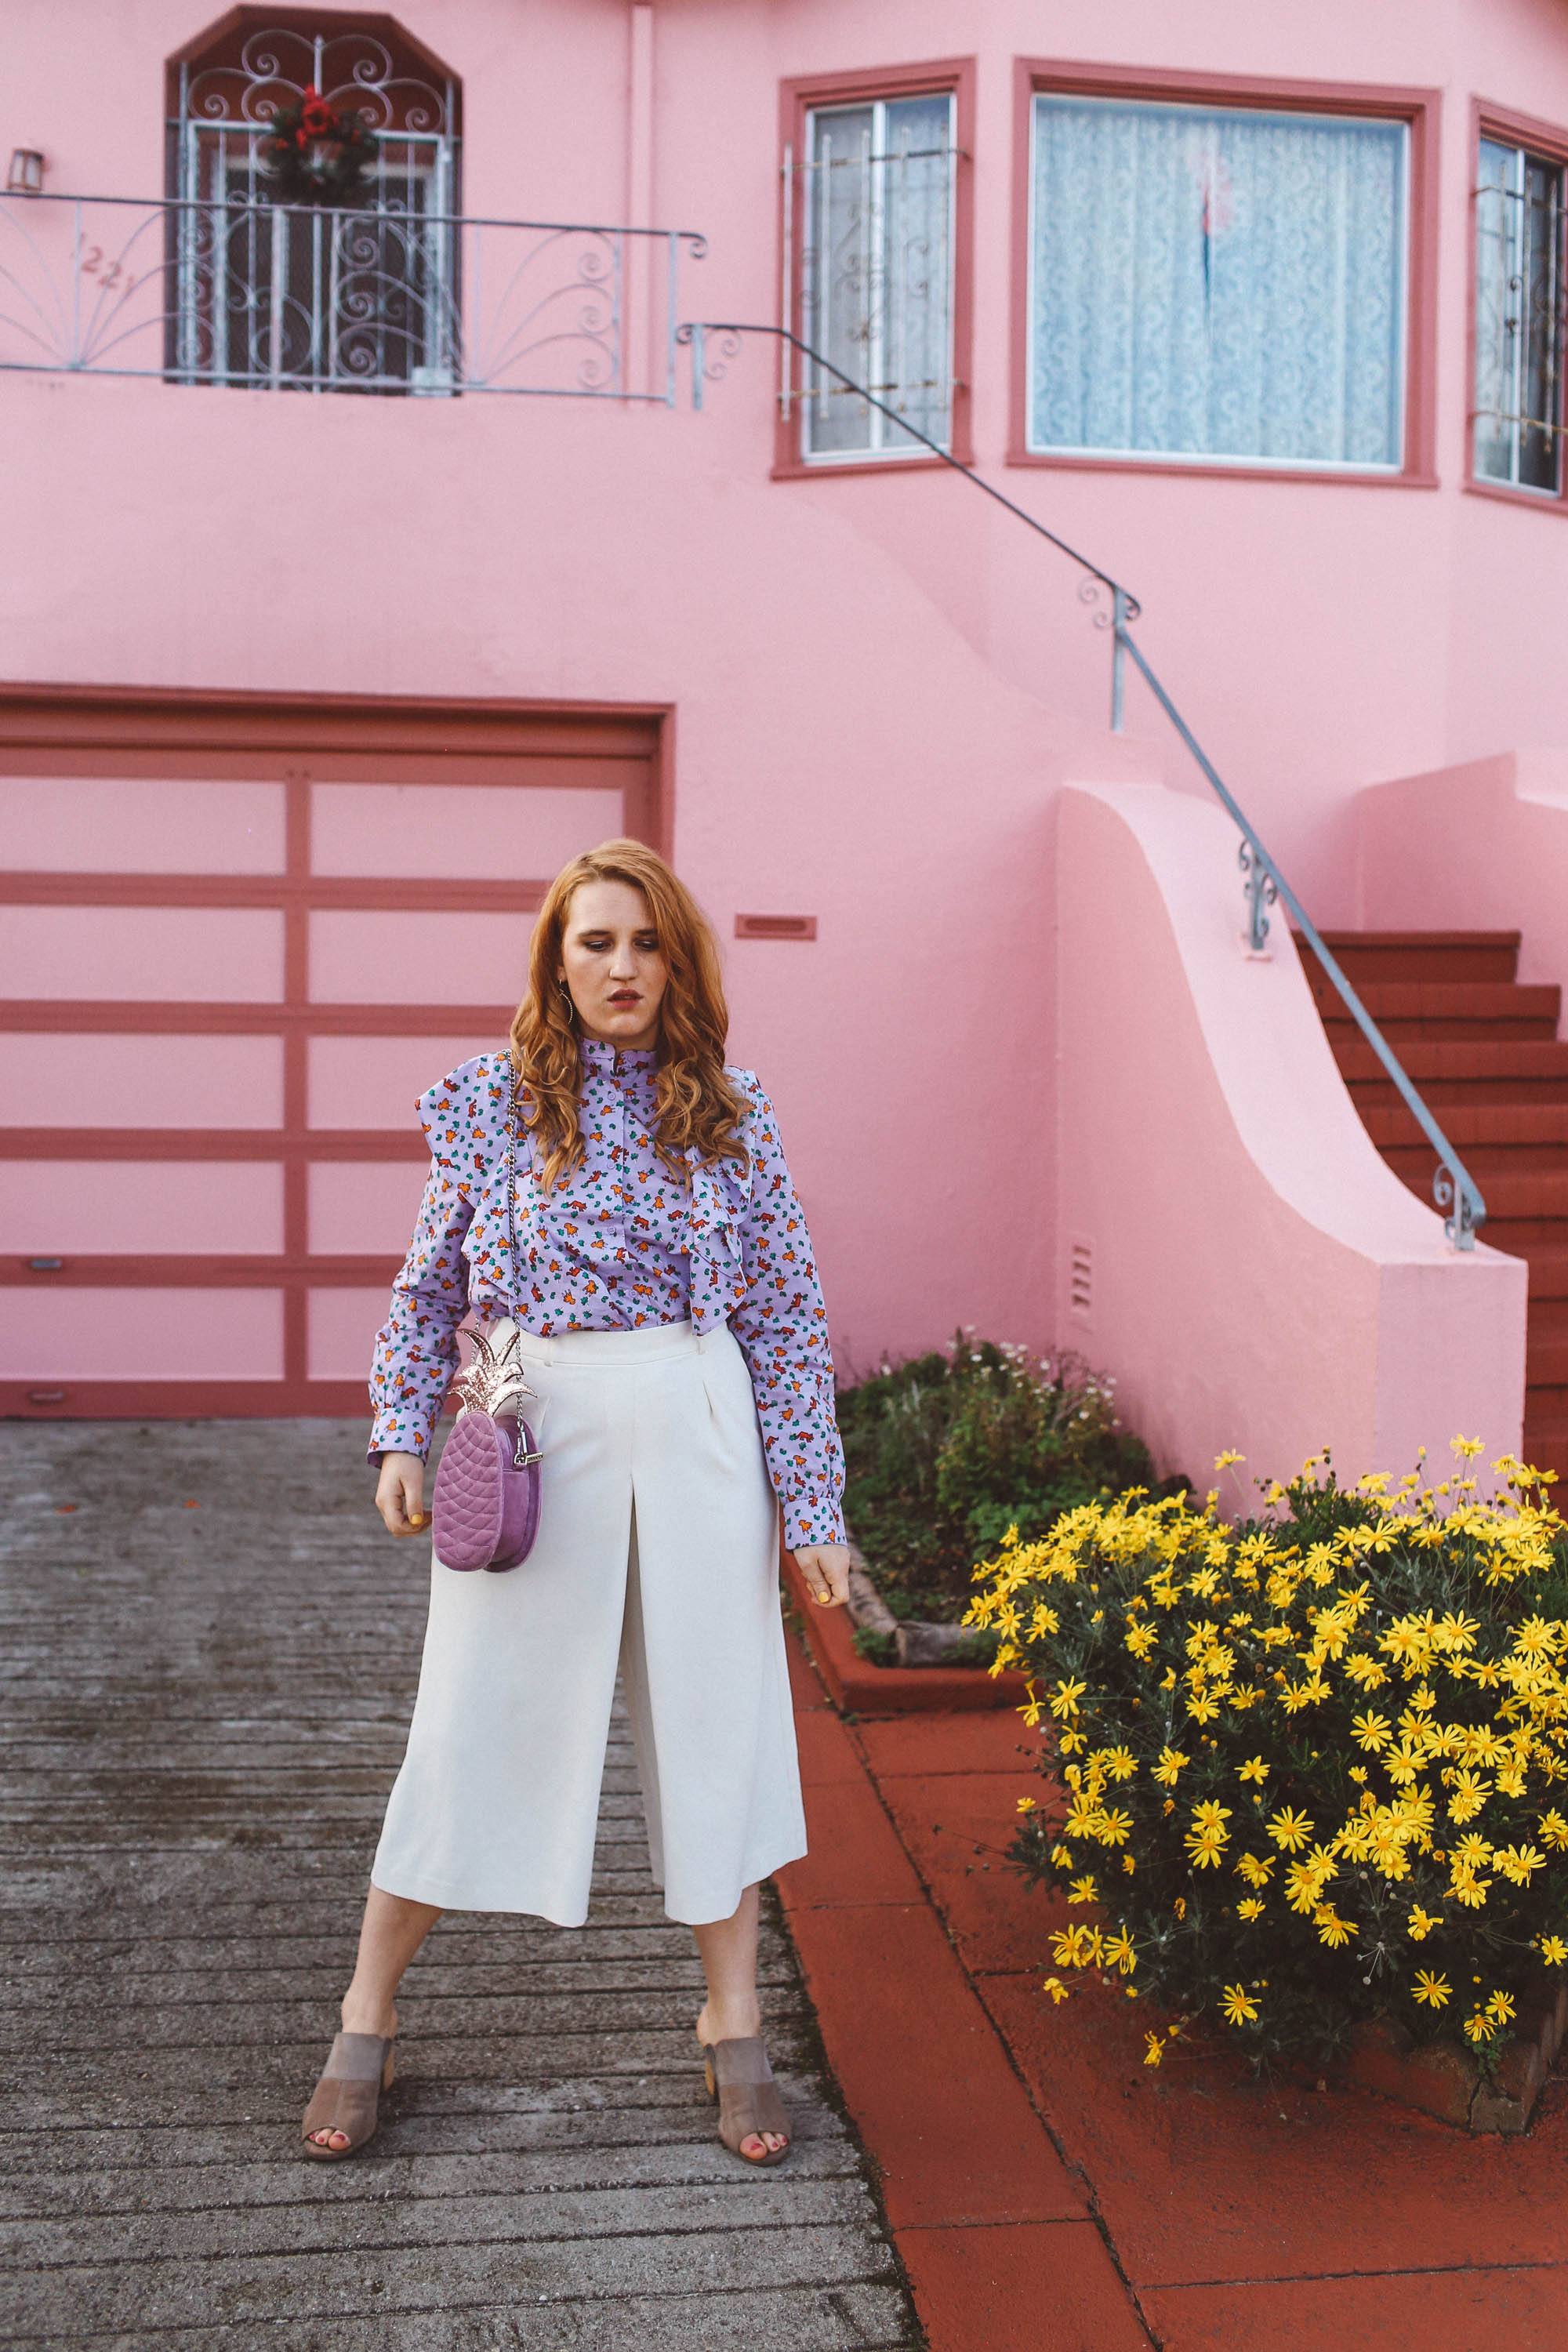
(619, 1243)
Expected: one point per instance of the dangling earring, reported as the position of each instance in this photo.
(566, 992)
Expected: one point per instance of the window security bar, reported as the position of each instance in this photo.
(215, 291)
(1454, 1190)
(1529, 424)
(1520, 318)
(874, 195)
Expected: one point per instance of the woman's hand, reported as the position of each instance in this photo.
(825, 1568)
(400, 1494)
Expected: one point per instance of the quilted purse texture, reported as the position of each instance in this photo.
(485, 1509)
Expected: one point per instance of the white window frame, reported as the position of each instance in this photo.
(1521, 154)
(1379, 468)
(885, 444)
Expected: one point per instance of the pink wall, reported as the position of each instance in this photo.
(1260, 1280)
(1481, 846)
(879, 682)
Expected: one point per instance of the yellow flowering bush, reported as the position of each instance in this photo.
(1313, 1765)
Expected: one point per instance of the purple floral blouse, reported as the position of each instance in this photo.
(618, 1244)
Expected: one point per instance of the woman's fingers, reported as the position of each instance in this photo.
(400, 1495)
(825, 1568)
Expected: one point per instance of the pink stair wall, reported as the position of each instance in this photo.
(1260, 1279)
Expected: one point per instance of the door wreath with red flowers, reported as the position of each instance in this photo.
(318, 153)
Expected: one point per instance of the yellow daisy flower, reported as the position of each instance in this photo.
(1240, 2009)
(1290, 1828)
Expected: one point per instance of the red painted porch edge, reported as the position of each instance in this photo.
(991, 2228)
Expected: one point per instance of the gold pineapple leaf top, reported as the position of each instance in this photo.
(493, 1381)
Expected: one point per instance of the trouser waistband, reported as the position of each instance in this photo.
(647, 1340)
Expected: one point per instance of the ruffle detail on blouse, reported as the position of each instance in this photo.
(464, 1119)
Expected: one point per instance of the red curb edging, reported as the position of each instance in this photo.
(1445, 2079)
(860, 1688)
(991, 2226)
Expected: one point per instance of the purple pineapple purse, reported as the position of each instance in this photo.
(485, 1509)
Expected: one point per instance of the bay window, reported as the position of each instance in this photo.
(1216, 283)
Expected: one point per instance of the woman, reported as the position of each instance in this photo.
(670, 1324)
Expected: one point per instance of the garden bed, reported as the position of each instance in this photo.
(947, 1453)
(858, 1687)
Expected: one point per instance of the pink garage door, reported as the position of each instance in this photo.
(239, 935)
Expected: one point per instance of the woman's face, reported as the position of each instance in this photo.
(611, 961)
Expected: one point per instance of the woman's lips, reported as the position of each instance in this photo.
(626, 997)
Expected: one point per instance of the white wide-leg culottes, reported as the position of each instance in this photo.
(657, 1554)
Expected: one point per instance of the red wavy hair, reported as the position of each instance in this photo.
(695, 1102)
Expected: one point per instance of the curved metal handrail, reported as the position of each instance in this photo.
(1454, 1189)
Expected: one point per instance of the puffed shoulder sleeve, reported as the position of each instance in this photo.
(782, 1327)
(464, 1119)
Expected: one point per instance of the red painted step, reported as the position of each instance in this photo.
(1422, 955)
(1482, 1049)
(1462, 1010)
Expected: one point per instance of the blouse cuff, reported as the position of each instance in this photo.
(812, 1519)
(392, 1436)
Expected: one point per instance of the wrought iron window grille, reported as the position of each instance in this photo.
(401, 293)
(365, 297)
(1522, 318)
(869, 221)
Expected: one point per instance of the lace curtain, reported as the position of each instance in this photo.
(1215, 282)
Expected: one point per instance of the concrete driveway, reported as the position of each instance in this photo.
(209, 1659)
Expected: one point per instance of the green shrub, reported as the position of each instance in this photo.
(945, 1452)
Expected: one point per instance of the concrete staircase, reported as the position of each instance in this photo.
(1482, 1051)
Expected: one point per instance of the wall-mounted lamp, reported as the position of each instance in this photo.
(26, 177)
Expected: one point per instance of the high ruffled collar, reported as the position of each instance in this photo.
(599, 1053)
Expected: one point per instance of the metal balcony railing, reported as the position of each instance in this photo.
(388, 299)
(713, 343)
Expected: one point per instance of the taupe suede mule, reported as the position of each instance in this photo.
(740, 2077)
(358, 2069)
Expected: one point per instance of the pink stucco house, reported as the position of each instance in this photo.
(372, 543)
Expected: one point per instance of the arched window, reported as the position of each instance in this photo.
(313, 159)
